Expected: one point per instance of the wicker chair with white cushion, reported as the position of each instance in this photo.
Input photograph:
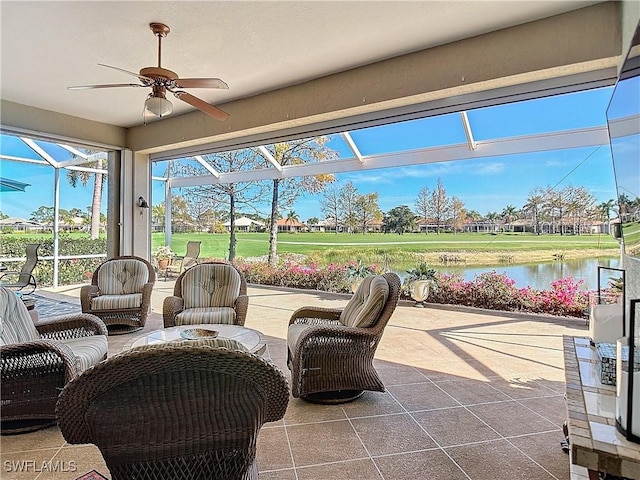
(38, 360)
(180, 410)
(120, 293)
(211, 292)
(331, 350)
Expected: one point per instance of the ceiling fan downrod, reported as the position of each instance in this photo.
(160, 30)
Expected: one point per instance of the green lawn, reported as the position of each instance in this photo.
(257, 244)
(328, 247)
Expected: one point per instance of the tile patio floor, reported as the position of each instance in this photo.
(470, 395)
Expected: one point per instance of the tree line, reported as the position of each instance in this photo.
(561, 209)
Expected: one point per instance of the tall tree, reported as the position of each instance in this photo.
(232, 195)
(80, 176)
(43, 215)
(330, 205)
(367, 210)
(605, 209)
(459, 215)
(285, 190)
(440, 206)
(348, 203)
(533, 208)
(423, 203)
(509, 214)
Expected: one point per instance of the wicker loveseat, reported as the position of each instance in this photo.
(37, 361)
(120, 293)
(210, 292)
(331, 350)
(182, 410)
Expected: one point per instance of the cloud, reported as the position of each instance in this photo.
(492, 168)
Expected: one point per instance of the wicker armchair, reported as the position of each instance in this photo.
(210, 292)
(181, 410)
(37, 361)
(331, 351)
(120, 293)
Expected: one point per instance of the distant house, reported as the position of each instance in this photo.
(17, 223)
(520, 225)
(321, 226)
(246, 224)
(482, 226)
(374, 226)
(428, 225)
(289, 225)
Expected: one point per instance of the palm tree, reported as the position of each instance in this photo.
(75, 176)
(533, 207)
(292, 216)
(604, 209)
(509, 213)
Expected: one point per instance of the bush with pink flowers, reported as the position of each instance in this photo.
(496, 291)
(490, 290)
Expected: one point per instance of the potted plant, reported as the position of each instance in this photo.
(357, 271)
(163, 255)
(418, 282)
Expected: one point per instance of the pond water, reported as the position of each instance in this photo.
(541, 275)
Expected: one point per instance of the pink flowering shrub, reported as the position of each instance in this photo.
(332, 278)
(498, 292)
(490, 290)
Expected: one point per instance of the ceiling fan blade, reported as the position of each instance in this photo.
(111, 85)
(201, 83)
(146, 80)
(201, 105)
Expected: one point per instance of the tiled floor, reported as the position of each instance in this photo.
(469, 395)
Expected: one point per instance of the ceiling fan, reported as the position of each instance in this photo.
(161, 80)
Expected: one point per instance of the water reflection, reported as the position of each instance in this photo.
(541, 275)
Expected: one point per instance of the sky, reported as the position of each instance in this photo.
(484, 185)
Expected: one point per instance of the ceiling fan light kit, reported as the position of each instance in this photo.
(161, 80)
(158, 106)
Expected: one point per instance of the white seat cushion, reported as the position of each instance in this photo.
(116, 302)
(193, 316)
(87, 350)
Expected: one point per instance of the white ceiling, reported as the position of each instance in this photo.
(253, 46)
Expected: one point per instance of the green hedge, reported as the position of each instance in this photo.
(69, 271)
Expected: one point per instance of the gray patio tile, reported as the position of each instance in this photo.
(325, 442)
(431, 464)
(353, 470)
(553, 409)
(421, 396)
(77, 460)
(391, 434)
(544, 448)
(303, 412)
(372, 403)
(454, 426)
(470, 392)
(273, 449)
(496, 460)
(510, 418)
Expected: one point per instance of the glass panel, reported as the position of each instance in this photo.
(560, 112)
(623, 117)
(30, 213)
(411, 135)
